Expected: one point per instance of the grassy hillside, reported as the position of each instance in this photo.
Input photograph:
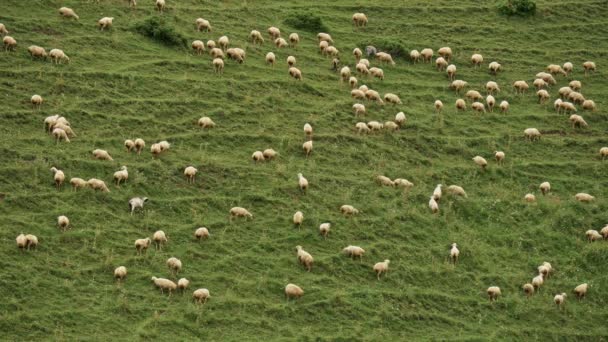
(122, 85)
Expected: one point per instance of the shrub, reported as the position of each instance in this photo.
(517, 7)
(306, 22)
(394, 48)
(158, 29)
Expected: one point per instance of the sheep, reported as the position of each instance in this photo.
(433, 205)
(520, 86)
(473, 95)
(357, 53)
(322, 46)
(381, 267)
(365, 62)
(458, 85)
(357, 94)
(461, 104)
(555, 69)
(383, 180)
(257, 156)
(269, 154)
(532, 134)
(604, 232)
(129, 145)
(576, 97)
(548, 267)
(121, 176)
(454, 253)
(441, 63)
(354, 251)
(206, 122)
(331, 51)
(568, 68)
(564, 92)
(375, 125)
(63, 222)
(427, 55)
(160, 5)
(437, 193)
(97, 184)
(480, 161)
(588, 66)
(132, 3)
(164, 284)
(218, 65)
(201, 233)
(403, 183)
(445, 52)
(60, 134)
(593, 235)
(494, 67)
(274, 32)
(21, 241)
(183, 284)
(200, 296)
(545, 187)
(566, 107)
(217, 53)
(530, 198)
(141, 245)
(31, 241)
(542, 95)
(546, 77)
(451, 71)
(159, 238)
(138, 144)
(223, 42)
(174, 265)
(307, 147)
(362, 128)
(198, 46)
(344, 73)
(280, 43)
(559, 300)
(348, 210)
(370, 51)
(36, 101)
(438, 106)
(236, 54)
(190, 174)
(105, 23)
(295, 73)
(78, 183)
(210, 45)
(415, 56)
(456, 190)
(528, 289)
(493, 293)
(385, 58)
(302, 182)
(359, 20)
(240, 212)
(589, 105)
(293, 291)
(478, 107)
(307, 130)
(491, 101)
(294, 40)
(373, 95)
(583, 197)
(304, 258)
(499, 156)
(58, 177)
(324, 229)
(101, 155)
(377, 72)
(137, 202)
(476, 60)
(202, 24)
(3, 30)
(291, 61)
(358, 109)
(271, 58)
(9, 43)
(544, 270)
(363, 88)
(581, 290)
(298, 218)
(120, 273)
(604, 152)
(37, 52)
(400, 119)
(577, 121)
(362, 69)
(492, 87)
(68, 13)
(392, 98)
(539, 83)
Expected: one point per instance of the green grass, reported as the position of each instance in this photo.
(122, 85)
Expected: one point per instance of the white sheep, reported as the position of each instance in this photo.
(445, 52)
(403, 183)
(545, 187)
(566, 107)
(9, 43)
(58, 177)
(504, 106)
(589, 105)
(60, 134)
(539, 83)
(294, 39)
(478, 107)
(240, 212)
(211, 45)
(499, 156)
(298, 218)
(269, 154)
(358, 109)
(101, 155)
(190, 173)
(141, 245)
(392, 98)
(433, 205)
(546, 77)
(304, 258)
(97, 184)
(3, 30)
(129, 145)
(217, 53)
(223, 42)
(218, 65)
(353, 82)
(568, 67)
(542, 95)
(354, 251)
(307, 147)
(381, 267)
(295, 73)
(400, 119)
(201, 233)
(577, 121)
(349, 210)
(37, 52)
(58, 55)
(271, 58)
(198, 46)
(160, 238)
(164, 284)
(385, 58)
(36, 101)
(78, 183)
(324, 229)
(373, 95)
(324, 37)
(559, 300)
(441, 63)
(63, 222)
(274, 32)
(604, 152)
(454, 253)
(120, 273)
(458, 85)
(206, 122)
(492, 87)
(415, 56)
(137, 202)
(31, 241)
(121, 176)
(480, 161)
(520, 86)
(201, 296)
(493, 293)
(361, 128)
(359, 20)
(21, 241)
(438, 106)
(105, 23)
(494, 67)
(477, 59)
(451, 71)
(377, 73)
(456, 190)
(528, 289)
(437, 192)
(183, 284)
(581, 290)
(280, 43)
(291, 61)
(588, 66)
(383, 180)
(302, 182)
(160, 5)
(375, 126)
(357, 53)
(174, 265)
(202, 24)
(491, 102)
(593, 235)
(461, 104)
(530, 198)
(427, 55)
(293, 291)
(532, 134)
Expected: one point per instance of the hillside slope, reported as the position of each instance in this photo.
(122, 85)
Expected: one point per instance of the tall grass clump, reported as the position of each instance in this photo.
(159, 30)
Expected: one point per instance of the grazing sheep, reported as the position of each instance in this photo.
(494, 67)
(359, 20)
(97, 184)
(129, 145)
(445, 52)
(280, 43)
(201, 233)
(577, 121)
(160, 5)
(385, 58)
(257, 156)
(542, 95)
(568, 68)
(240, 212)
(101, 155)
(539, 83)
(293, 291)
(437, 193)
(532, 134)
(139, 145)
(528, 289)
(456, 190)
(9, 43)
(218, 65)
(400, 119)
(68, 13)
(588, 66)
(520, 86)
(210, 45)
(377, 72)
(223, 42)
(403, 183)
(504, 106)
(375, 126)
(322, 46)
(105, 23)
(217, 53)
(383, 180)
(331, 51)
(555, 69)
(477, 59)
(433, 205)
(593, 235)
(295, 73)
(274, 32)
(63, 222)
(546, 77)
(348, 210)
(58, 177)
(357, 94)
(164, 284)
(120, 273)
(559, 300)
(493, 293)
(202, 24)
(427, 55)
(324, 229)
(206, 122)
(362, 128)
(353, 82)
(236, 54)
(190, 174)
(492, 87)
(530, 198)
(373, 95)
(256, 37)
(583, 197)
(362, 69)
(358, 109)
(159, 239)
(545, 187)
(480, 161)
(183, 284)
(141, 245)
(198, 46)
(415, 56)
(31, 241)
(344, 73)
(441, 64)
(357, 53)
(381, 267)
(461, 104)
(604, 152)
(78, 183)
(451, 71)
(438, 106)
(21, 241)
(302, 182)
(137, 202)
(307, 147)
(298, 218)
(3, 30)
(491, 101)
(269, 154)
(37, 52)
(291, 61)
(473, 95)
(271, 58)
(454, 253)
(478, 107)
(354, 251)
(60, 134)
(201, 296)
(589, 105)
(499, 156)
(174, 265)
(307, 130)
(121, 176)
(458, 85)
(294, 39)
(581, 290)
(391, 98)
(544, 270)
(363, 88)
(304, 258)
(36, 101)
(566, 107)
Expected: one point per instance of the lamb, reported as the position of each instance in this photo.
(581, 290)
(201, 233)
(559, 300)
(499, 156)
(477, 59)
(362, 128)
(542, 95)
(101, 155)
(3, 30)
(9, 43)
(271, 58)
(295, 73)
(593, 235)
(280, 43)
(588, 66)
(302, 182)
(348, 210)
(58, 177)
(441, 63)
(456, 190)
(391, 98)
(198, 46)
(291, 61)
(400, 119)
(391, 126)
(294, 39)
(381, 267)
(359, 20)
(206, 122)
(491, 101)
(217, 53)
(60, 134)
(324, 229)
(183, 284)
(577, 121)
(97, 184)
(274, 32)
(21, 241)
(36, 101)
(190, 174)
(307, 147)
(141, 245)
(210, 45)
(532, 134)
(454, 253)
(492, 87)
(37, 52)
(385, 58)
(160, 5)
(478, 107)
(539, 83)
(218, 65)
(589, 105)
(139, 145)
(105, 23)
(304, 258)
(445, 52)
(240, 212)
(78, 183)
(121, 176)
(383, 180)
(202, 24)
(520, 86)
(137, 202)
(293, 291)
(174, 265)
(458, 85)
(63, 222)
(357, 53)
(480, 161)
(433, 205)
(120, 273)
(568, 68)
(493, 293)
(545, 187)
(461, 104)
(298, 218)
(415, 56)
(68, 13)
(223, 42)
(269, 154)
(528, 289)
(494, 67)
(530, 198)
(358, 109)
(354, 251)
(373, 95)
(164, 284)
(604, 152)
(451, 71)
(201, 296)
(377, 72)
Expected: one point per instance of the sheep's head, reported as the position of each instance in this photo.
(145, 199)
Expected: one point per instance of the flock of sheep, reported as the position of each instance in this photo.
(568, 99)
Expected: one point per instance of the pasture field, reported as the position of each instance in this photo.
(121, 84)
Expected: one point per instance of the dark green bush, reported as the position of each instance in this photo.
(388, 46)
(306, 22)
(158, 29)
(517, 7)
